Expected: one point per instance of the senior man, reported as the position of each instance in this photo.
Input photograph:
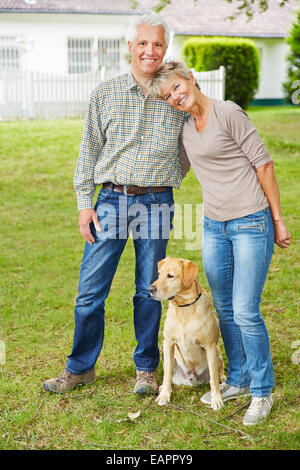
(130, 146)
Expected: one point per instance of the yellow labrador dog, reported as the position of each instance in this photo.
(191, 331)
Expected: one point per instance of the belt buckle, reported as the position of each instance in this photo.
(125, 190)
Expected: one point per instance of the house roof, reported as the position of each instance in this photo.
(186, 17)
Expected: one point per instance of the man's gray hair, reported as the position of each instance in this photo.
(148, 18)
(163, 73)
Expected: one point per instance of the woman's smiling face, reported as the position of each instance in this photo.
(179, 92)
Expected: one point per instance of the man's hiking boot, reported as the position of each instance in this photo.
(145, 383)
(66, 381)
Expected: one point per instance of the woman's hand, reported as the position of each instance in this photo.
(267, 178)
(282, 236)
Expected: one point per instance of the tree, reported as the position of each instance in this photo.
(245, 6)
(292, 85)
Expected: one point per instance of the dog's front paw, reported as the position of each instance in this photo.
(163, 398)
(216, 402)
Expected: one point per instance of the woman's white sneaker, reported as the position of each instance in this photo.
(258, 410)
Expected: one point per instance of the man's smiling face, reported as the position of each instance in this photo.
(147, 50)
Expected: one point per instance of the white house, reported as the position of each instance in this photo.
(75, 36)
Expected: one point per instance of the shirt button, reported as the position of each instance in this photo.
(142, 137)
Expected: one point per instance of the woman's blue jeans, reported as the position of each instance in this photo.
(119, 214)
(236, 258)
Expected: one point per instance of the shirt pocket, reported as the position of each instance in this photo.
(164, 137)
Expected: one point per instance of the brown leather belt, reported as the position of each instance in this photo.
(134, 190)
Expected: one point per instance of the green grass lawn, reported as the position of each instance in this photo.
(40, 255)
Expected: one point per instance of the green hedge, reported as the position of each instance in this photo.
(239, 56)
(292, 85)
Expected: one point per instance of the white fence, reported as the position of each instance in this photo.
(34, 95)
(212, 83)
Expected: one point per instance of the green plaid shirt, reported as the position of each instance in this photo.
(127, 139)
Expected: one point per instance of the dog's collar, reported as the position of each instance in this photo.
(187, 305)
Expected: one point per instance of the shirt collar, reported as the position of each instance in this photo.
(131, 81)
(133, 84)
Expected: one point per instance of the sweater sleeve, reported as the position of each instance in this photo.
(242, 130)
(185, 164)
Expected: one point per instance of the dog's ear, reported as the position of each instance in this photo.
(189, 272)
(160, 263)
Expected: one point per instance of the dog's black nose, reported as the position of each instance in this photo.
(152, 290)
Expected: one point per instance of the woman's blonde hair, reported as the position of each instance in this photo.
(164, 72)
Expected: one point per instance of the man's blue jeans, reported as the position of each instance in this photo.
(118, 215)
(236, 257)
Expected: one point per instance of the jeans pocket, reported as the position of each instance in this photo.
(165, 197)
(254, 226)
(103, 194)
(253, 222)
(205, 222)
(256, 216)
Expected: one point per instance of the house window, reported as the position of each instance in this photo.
(80, 55)
(9, 53)
(87, 55)
(109, 55)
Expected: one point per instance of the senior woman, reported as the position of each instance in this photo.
(242, 218)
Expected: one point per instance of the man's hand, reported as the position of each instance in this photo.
(86, 216)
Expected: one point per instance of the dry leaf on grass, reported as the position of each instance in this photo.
(134, 416)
